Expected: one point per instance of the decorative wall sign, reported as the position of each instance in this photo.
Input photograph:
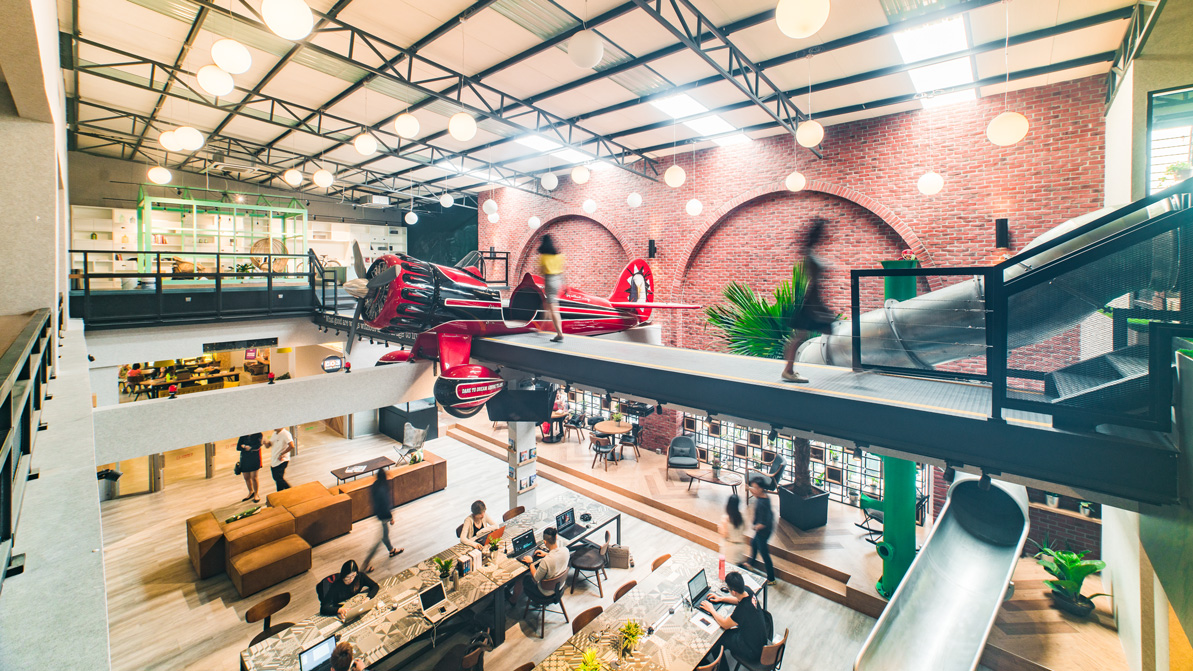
(333, 364)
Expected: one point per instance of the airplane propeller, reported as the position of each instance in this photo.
(362, 288)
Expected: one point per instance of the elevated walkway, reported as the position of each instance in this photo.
(925, 419)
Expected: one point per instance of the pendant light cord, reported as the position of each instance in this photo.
(1006, 53)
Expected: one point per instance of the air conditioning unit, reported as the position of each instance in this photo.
(373, 201)
(231, 164)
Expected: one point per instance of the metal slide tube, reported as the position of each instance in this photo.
(949, 324)
(942, 612)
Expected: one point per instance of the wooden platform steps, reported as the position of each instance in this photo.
(825, 581)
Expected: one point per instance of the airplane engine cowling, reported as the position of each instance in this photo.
(463, 390)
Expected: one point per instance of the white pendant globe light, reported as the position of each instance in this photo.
(169, 141)
(798, 19)
(231, 56)
(215, 81)
(586, 49)
(446, 200)
(634, 199)
(189, 138)
(694, 207)
(589, 206)
(366, 145)
(675, 177)
(550, 181)
(489, 206)
(930, 183)
(1007, 129)
(534, 222)
(462, 127)
(406, 126)
(411, 218)
(809, 133)
(290, 19)
(292, 177)
(795, 181)
(323, 178)
(494, 218)
(581, 174)
(159, 175)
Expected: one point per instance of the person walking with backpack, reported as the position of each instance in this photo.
(382, 498)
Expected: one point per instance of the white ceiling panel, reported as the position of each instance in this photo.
(637, 33)
(117, 95)
(401, 22)
(868, 114)
(124, 25)
(304, 86)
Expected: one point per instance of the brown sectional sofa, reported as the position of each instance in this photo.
(408, 482)
(319, 515)
(269, 564)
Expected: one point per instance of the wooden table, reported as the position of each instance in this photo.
(153, 387)
(342, 474)
(556, 424)
(612, 428)
(727, 479)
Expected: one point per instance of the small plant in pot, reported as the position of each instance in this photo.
(854, 496)
(444, 566)
(630, 633)
(1051, 500)
(1070, 570)
(716, 467)
(589, 661)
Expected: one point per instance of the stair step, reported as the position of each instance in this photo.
(698, 532)
(1072, 384)
(1127, 365)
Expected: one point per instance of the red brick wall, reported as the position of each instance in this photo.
(745, 231)
(574, 236)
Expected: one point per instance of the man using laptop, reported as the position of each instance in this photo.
(745, 628)
(551, 564)
(342, 658)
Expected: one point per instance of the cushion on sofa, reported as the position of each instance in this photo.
(265, 527)
(358, 491)
(205, 545)
(296, 495)
(269, 564)
(322, 518)
(411, 482)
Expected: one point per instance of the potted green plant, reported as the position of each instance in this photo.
(1086, 508)
(616, 417)
(853, 497)
(1070, 570)
(716, 467)
(494, 543)
(630, 633)
(444, 566)
(589, 661)
(800, 503)
(1051, 500)
(1179, 171)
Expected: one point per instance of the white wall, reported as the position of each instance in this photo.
(1119, 143)
(132, 430)
(1120, 551)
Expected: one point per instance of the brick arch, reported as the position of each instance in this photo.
(527, 248)
(709, 222)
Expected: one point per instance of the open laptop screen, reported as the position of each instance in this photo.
(697, 585)
(565, 519)
(432, 597)
(317, 654)
(523, 542)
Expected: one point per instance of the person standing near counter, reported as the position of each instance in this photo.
(281, 445)
(250, 463)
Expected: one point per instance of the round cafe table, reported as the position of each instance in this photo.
(612, 428)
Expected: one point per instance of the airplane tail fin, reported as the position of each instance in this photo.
(635, 285)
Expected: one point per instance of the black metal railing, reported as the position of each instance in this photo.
(488, 266)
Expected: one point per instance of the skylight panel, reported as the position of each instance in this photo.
(949, 99)
(942, 75)
(736, 138)
(931, 40)
(537, 142)
(678, 106)
(571, 155)
(710, 125)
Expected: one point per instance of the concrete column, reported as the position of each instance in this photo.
(522, 443)
(209, 459)
(157, 464)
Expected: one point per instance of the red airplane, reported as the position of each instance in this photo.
(447, 306)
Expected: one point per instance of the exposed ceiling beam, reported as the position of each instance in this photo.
(182, 54)
(1143, 19)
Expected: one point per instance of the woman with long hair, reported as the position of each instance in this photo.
(250, 462)
(337, 588)
(551, 264)
(733, 532)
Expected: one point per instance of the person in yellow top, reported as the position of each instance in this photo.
(551, 264)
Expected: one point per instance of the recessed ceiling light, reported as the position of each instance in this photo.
(931, 40)
(679, 105)
(710, 125)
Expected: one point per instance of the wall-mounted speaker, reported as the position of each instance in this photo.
(1002, 234)
(652, 250)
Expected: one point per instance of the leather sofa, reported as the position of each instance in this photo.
(269, 564)
(207, 538)
(318, 514)
(408, 482)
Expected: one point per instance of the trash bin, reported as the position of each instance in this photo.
(109, 484)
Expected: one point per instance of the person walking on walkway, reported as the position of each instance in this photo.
(382, 498)
(281, 446)
(733, 532)
(551, 264)
(812, 314)
(764, 526)
(250, 463)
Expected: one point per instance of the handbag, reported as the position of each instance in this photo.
(236, 468)
(619, 557)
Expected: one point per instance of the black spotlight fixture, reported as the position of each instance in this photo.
(950, 473)
(984, 482)
(609, 396)
(857, 452)
(774, 434)
(658, 408)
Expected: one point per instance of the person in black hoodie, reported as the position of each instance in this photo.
(382, 499)
(745, 628)
(337, 588)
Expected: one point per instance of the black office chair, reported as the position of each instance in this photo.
(602, 447)
(633, 439)
(873, 513)
(574, 422)
(539, 602)
(681, 455)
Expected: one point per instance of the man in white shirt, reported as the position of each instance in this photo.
(281, 444)
(553, 564)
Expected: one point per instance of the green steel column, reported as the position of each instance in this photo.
(897, 548)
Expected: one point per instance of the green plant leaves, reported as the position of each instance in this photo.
(754, 326)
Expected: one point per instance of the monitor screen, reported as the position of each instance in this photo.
(317, 654)
(697, 585)
(565, 519)
(522, 405)
(432, 597)
(523, 542)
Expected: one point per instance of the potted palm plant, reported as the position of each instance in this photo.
(1070, 569)
(444, 566)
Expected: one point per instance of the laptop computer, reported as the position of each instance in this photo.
(522, 545)
(435, 604)
(483, 538)
(359, 609)
(318, 656)
(699, 591)
(565, 524)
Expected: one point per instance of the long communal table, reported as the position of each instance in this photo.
(395, 627)
(658, 601)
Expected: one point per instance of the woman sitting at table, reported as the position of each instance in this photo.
(168, 374)
(745, 633)
(337, 588)
(474, 523)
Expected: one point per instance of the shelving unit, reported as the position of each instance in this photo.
(103, 229)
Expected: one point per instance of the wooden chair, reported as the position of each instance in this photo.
(659, 561)
(512, 513)
(633, 439)
(574, 423)
(772, 656)
(459, 659)
(623, 590)
(541, 603)
(263, 610)
(590, 559)
(602, 449)
(584, 618)
(715, 665)
(459, 530)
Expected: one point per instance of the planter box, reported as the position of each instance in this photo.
(803, 513)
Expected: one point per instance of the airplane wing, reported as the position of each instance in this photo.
(652, 306)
